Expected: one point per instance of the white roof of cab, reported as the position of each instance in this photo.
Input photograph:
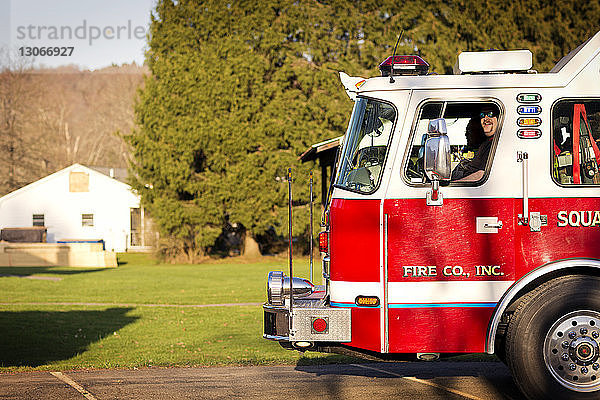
(565, 71)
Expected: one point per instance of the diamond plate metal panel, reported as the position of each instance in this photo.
(339, 329)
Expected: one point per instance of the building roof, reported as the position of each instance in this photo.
(74, 167)
(120, 174)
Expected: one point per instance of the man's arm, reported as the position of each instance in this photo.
(474, 177)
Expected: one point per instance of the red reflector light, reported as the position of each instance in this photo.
(404, 65)
(324, 242)
(529, 133)
(320, 325)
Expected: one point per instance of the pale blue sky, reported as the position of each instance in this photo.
(101, 32)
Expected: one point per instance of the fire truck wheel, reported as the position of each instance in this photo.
(500, 346)
(552, 343)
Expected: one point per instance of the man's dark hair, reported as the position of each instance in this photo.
(474, 133)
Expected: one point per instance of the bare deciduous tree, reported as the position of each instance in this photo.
(16, 145)
(52, 118)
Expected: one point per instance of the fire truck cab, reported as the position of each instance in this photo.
(464, 217)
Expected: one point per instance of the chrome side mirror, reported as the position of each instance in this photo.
(437, 127)
(437, 159)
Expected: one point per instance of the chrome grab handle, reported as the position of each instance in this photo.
(523, 157)
(496, 226)
(488, 225)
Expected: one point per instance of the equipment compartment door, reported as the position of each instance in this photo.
(444, 278)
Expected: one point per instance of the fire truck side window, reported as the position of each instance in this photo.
(576, 142)
(365, 145)
(463, 121)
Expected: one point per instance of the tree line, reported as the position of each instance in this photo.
(237, 90)
(51, 118)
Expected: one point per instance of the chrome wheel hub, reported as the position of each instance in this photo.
(572, 350)
(583, 350)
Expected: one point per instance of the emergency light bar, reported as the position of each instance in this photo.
(493, 61)
(404, 65)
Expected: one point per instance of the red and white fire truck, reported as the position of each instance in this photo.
(506, 262)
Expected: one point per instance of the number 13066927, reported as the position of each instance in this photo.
(53, 51)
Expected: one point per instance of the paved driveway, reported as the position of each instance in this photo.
(405, 380)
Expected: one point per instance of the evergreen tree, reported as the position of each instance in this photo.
(170, 146)
(238, 90)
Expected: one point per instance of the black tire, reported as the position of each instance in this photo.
(500, 348)
(534, 342)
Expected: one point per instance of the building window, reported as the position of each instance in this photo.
(87, 219)
(79, 182)
(38, 219)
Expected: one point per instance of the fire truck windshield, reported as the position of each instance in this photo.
(365, 145)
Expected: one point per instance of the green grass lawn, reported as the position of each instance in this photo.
(139, 279)
(62, 337)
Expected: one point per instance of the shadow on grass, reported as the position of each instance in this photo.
(29, 271)
(135, 258)
(34, 338)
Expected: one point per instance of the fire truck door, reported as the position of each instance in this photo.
(447, 265)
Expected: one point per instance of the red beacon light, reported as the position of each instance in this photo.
(324, 242)
(404, 65)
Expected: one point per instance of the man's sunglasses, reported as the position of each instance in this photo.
(490, 114)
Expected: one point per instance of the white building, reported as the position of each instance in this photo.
(78, 203)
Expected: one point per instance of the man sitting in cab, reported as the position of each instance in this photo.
(480, 134)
